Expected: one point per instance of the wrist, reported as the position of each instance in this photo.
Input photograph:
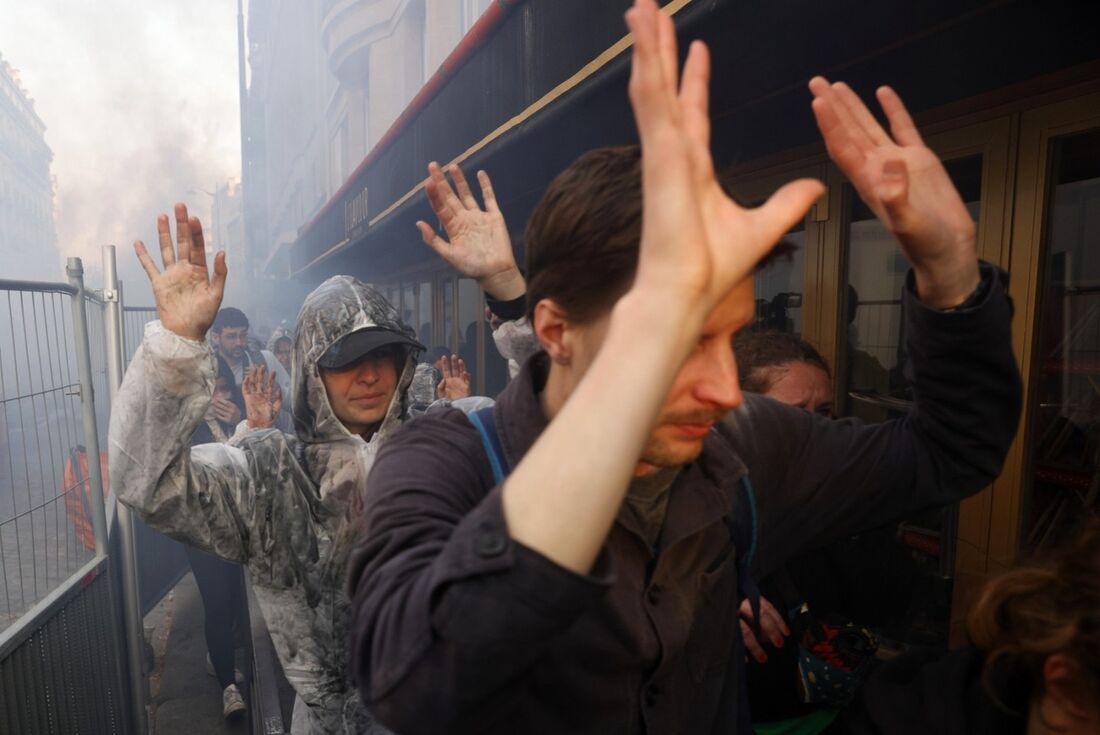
(946, 286)
(671, 321)
(505, 285)
(185, 331)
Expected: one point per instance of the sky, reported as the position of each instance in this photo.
(140, 102)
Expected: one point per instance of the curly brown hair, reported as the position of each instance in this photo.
(1045, 606)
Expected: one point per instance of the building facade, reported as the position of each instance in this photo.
(28, 237)
(326, 80)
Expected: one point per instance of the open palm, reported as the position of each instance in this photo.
(697, 243)
(187, 294)
(263, 399)
(477, 243)
(896, 174)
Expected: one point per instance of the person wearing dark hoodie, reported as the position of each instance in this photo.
(284, 505)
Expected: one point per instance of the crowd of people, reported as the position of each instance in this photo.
(608, 545)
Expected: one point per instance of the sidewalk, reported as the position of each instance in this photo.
(185, 699)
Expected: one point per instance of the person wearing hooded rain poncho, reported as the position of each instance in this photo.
(284, 505)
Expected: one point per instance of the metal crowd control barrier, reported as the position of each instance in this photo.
(131, 600)
(62, 663)
(72, 591)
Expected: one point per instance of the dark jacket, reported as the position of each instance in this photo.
(948, 693)
(458, 628)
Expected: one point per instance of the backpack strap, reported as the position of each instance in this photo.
(485, 423)
(742, 526)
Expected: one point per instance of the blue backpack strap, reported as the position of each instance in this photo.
(742, 527)
(485, 423)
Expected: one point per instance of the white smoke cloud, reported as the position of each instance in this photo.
(141, 107)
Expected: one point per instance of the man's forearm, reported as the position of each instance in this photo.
(563, 497)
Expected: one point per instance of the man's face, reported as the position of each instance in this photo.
(804, 385)
(232, 342)
(704, 390)
(360, 393)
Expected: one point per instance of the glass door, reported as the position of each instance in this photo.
(872, 381)
(1064, 421)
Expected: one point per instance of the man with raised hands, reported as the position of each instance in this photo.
(572, 561)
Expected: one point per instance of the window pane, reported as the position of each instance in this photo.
(1066, 420)
(470, 316)
(914, 559)
(778, 287)
(875, 346)
(448, 336)
(408, 304)
(424, 304)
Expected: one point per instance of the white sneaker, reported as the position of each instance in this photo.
(232, 702)
(237, 675)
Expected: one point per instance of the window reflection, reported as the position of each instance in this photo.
(918, 554)
(875, 344)
(470, 316)
(778, 287)
(1066, 420)
(424, 304)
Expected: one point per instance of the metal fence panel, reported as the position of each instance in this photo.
(64, 676)
(45, 523)
(134, 319)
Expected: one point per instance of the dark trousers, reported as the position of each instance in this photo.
(221, 585)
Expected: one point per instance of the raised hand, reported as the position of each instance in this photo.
(187, 295)
(478, 246)
(456, 380)
(697, 243)
(263, 399)
(905, 185)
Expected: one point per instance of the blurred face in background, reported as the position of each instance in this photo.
(804, 385)
(282, 352)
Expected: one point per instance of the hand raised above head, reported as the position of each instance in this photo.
(697, 243)
(905, 184)
(478, 244)
(187, 294)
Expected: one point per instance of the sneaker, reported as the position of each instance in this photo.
(237, 675)
(232, 702)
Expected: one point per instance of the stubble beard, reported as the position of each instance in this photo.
(660, 452)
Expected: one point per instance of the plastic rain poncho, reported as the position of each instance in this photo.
(283, 505)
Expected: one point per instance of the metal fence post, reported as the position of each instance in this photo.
(75, 271)
(131, 598)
